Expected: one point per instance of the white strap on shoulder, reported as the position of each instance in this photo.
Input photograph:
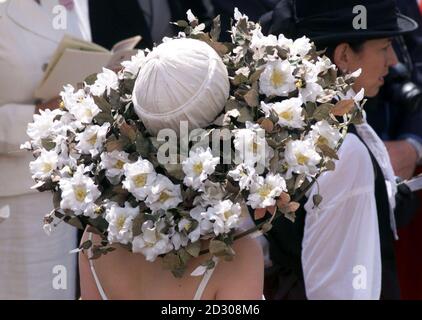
(205, 279)
(94, 274)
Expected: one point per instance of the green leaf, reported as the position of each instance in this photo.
(137, 225)
(256, 75)
(239, 79)
(252, 98)
(103, 117)
(57, 198)
(194, 249)
(129, 131)
(216, 30)
(86, 245)
(323, 111)
(100, 223)
(48, 144)
(310, 108)
(317, 199)
(218, 248)
(232, 104)
(113, 144)
(76, 222)
(143, 145)
(328, 152)
(90, 80)
(184, 256)
(103, 104)
(266, 227)
(182, 24)
(172, 261)
(330, 165)
(175, 170)
(245, 115)
(91, 229)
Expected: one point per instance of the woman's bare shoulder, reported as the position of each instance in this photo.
(243, 277)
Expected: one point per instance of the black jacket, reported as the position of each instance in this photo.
(112, 20)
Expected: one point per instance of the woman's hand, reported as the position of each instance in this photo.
(51, 104)
(403, 158)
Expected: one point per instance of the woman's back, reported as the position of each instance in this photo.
(124, 275)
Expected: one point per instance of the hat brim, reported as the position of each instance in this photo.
(404, 25)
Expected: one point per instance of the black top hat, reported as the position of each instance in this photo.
(333, 21)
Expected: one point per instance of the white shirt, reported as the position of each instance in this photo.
(341, 255)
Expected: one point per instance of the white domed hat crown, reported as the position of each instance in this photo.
(181, 80)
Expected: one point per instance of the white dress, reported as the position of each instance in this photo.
(32, 265)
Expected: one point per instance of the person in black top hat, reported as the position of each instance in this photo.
(337, 251)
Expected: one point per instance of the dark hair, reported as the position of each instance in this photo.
(356, 46)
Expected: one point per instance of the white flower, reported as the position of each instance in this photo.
(225, 216)
(323, 133)
(91, 140)
(244, 175)
(163, 194)
(120, 222)
(71, 97)
(106, 80)
(140, 176)
(42, 126)
(198, 167)
(48, 229)
(310, 89)
(264, 191)
(67, 123)
(301, 157)
(199, 213)
(80, 105)
(43, 167)
(85, 110)
(238, 15)
(79, 193)
(251, 146)
(113, 163)
(324, 64)
(178, 239)
(191, 17)
(289, 112)
(277, 79)
(68, 155)
(211, 193)
(284, 43)
(152, 243)
(359, 96)
(243, 71)
(260, 43)
(135, 63)
(300, 47)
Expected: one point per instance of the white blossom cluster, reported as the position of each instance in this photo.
(149, 208)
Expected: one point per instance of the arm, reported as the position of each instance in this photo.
(341, 251)
(14, 119)
(404, 157)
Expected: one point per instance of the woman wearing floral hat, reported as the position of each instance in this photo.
(343, 249)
